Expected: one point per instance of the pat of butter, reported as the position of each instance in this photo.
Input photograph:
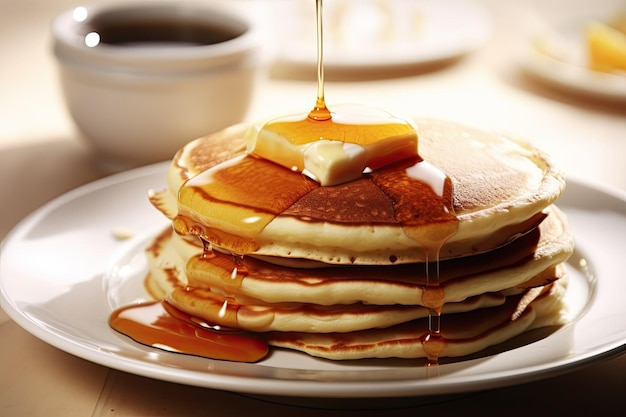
(334, 151)
(275, 147)
(333, 162)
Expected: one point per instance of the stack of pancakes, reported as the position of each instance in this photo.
(336, 272)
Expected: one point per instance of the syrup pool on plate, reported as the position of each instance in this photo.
(162, 326)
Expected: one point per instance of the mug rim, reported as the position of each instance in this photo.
(69, 39)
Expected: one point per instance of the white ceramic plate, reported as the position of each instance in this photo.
(375, 34)
(64, 268)
(561, 60)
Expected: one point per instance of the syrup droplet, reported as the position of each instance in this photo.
(433, 344)
(207, 249)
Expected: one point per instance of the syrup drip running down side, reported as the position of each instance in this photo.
(320, 111)
(427, 215)
(433, 295)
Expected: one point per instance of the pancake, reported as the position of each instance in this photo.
(461, 334)
(500, 186)
(176, 262)
(257, 316)
(356, 331)
(167, 255)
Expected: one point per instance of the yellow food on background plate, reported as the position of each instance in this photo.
(606, 47)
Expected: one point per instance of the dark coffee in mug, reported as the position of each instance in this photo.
(119, 30)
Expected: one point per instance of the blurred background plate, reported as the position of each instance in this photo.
(556, 49)
(365, 35)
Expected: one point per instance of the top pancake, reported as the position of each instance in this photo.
(500, 187)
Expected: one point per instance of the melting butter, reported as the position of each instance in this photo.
(334, 162)
(355, 139)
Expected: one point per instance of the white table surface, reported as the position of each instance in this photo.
(42, 156)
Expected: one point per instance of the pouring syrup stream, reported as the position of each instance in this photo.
(320, 111)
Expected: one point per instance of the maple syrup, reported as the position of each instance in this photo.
(320, 112)
(246, 193)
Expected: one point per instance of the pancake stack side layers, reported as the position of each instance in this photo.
(358, 269)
